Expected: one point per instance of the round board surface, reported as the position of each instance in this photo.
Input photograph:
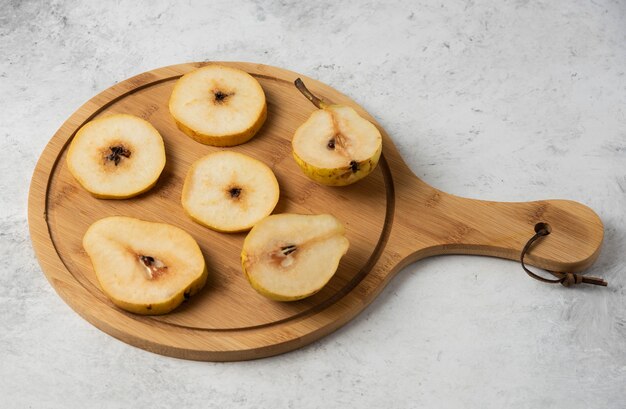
(227, 320)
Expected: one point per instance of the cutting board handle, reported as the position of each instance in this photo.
(430, 222)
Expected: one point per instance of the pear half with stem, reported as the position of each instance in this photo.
(218, 105)
(117, 156)
(144, 267)
(287, 257)
(335, 146)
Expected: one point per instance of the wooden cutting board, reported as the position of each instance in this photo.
(392, 219)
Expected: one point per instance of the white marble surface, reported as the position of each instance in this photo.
(502, 100)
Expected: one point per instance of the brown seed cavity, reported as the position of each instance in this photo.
(220, 96)
(331, 144)
(234, 192)
(155, 268)
(283, 256)
(116, 153)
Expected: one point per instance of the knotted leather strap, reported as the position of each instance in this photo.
(566, 279)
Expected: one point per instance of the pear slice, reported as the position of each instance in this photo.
(116, 157)
(335, 146)
(219, 106)
(144, 267)
(287, 257)
(229, 191)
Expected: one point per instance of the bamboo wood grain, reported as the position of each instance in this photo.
(392, 218)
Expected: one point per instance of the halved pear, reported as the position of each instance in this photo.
(218, 105)
(229, 191)
(287, 257)
(144, 267)
(335, 146)
(116, 157)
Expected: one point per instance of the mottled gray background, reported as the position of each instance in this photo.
(502, 100)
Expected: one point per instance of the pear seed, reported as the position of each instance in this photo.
(220, 96)
(116, 154)
(354, 166)
(154, 268)
(235, 192)
(287, 250)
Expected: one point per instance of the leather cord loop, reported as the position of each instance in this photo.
(565, 279)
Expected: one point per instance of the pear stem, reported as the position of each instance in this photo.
(308, 94)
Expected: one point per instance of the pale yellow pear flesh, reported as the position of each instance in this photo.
(117, 156)
(288, 257)
(218, 105)
(229, 191)
(144, 267)
(336, 146)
